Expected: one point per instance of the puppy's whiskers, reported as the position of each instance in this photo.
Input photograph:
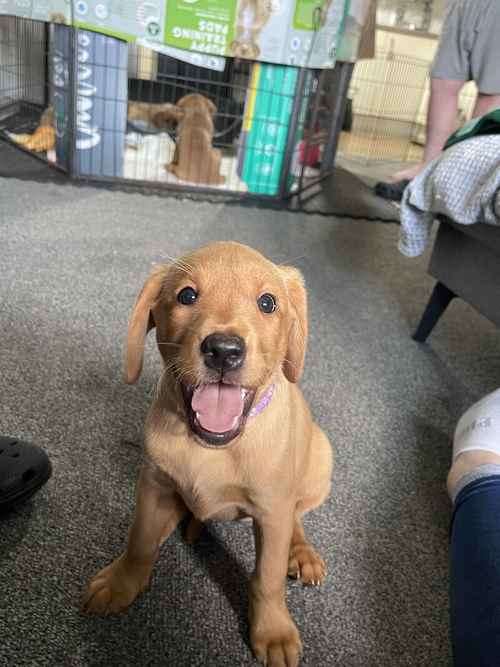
(180, 264)
(186, 373)
(158, 387)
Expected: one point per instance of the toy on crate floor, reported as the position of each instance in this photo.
(309, 154)
(43, 138)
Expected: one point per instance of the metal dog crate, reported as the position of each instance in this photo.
(66, 95)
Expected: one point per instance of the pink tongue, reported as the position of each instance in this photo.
(218, 406)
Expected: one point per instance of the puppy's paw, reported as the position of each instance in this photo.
(306, 564)
(278, 644)
(113, 589)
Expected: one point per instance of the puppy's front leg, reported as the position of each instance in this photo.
(157, 513)
(273, 634)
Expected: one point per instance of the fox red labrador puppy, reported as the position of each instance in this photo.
(229, 434)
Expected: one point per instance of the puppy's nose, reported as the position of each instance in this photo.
(222, 352)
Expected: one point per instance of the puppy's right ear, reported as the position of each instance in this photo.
(141, 322)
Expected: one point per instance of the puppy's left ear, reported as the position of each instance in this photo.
(141, 323)
(297, 331)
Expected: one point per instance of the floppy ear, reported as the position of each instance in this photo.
(141, 322)
(297, 332)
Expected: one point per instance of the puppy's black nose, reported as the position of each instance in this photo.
(222, 352)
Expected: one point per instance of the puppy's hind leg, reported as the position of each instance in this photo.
(157, 514)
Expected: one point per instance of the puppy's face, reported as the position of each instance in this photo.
(226, 320)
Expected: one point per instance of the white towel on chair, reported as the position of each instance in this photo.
(462, 184)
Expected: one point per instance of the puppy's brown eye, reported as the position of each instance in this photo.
(187, 296)
(267, 303)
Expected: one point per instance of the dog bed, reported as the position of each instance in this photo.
(147, 154)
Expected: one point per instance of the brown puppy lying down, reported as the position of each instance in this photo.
(229, 434)
(152, 113)
(195, 159)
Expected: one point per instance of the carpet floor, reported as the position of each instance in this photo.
(72, 261)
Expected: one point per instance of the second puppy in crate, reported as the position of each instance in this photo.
(151, 113)
(195, 159)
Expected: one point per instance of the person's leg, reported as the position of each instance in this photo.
(441, 122)
(474, 487)
(475, 563)
(467, 466)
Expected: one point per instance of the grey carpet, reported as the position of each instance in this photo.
(71, 263)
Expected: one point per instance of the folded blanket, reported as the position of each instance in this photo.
(462, 184)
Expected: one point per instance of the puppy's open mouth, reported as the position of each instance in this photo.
(217, 411)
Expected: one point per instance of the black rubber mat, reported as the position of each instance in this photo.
(345, 195)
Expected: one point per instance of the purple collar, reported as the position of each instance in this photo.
(263, 403)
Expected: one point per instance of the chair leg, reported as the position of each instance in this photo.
(440, 298)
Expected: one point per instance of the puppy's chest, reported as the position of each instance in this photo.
(210, 491)
(214, 499)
